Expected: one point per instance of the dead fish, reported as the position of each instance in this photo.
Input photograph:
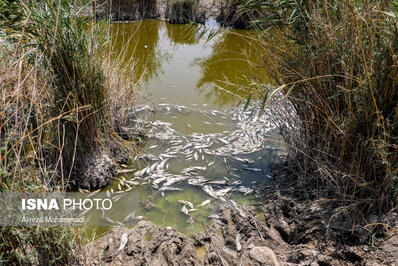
(237, 242)
(204, 203)
(170, 189)
(186, 146)
(162, 163)
(153, 168)
(134, 183)
(84, 190)
(223, 192)
(119, 186)
(109, 220)
(116, 198)
(184, 210)
(102, 213)
(93, 193)
(129, 216)
(126, 171)
(241, 213)
(209, 190)
(187, 203)
(160, 180)
(223, 140)
(252, 169)
(108, 194)
(215, 216)
(250, 191)
(119, 223)
(222, 199)
(217, 182)
(175, 180)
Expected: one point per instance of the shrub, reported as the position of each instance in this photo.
(341, 76)
(181, 11)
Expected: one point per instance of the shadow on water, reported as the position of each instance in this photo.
(177, 68)
(136, 46)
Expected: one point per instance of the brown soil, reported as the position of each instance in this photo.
(294, 232)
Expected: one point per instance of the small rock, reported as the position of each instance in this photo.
(264, 255)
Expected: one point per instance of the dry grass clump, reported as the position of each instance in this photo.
(60, 98)
(341, 76)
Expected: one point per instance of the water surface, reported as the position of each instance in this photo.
(196, 128)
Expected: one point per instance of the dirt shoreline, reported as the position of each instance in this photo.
(294, 232)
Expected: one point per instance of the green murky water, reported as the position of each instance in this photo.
(189, 106)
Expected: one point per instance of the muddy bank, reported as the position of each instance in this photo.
(289, 231)
(223, 11)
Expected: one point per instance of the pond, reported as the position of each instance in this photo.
(203, 149)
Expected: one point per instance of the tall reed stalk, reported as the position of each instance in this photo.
(57, 108)
(340, 73)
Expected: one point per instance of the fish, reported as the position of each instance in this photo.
(237, 242)
(222, 199)
(153, 167)
(109, 220)
(223, 192)
(175, 180)
(162, 163)
(187, 203)
(209, 190)
(129, 216)
(217, 182)
(204, 203)
(170, 189)
(84, 190)
(93, 193)
(160, 180)
(184, 210)
(252, 169)
(134, 183)
(250, 191)
(126, 171)
(241, 213)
